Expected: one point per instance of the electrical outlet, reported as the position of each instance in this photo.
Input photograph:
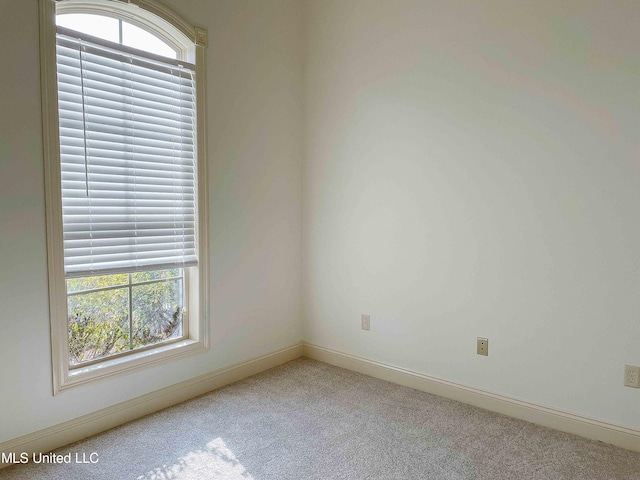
(483, 346)
(631, 376)
(365, 322)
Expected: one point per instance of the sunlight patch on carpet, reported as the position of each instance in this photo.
(216, 460)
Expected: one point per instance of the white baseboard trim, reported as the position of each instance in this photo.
(82, 427)
(547, 417)
(57, 436)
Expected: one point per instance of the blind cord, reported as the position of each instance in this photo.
(84, 121)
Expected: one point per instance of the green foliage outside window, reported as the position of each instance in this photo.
(124, 313)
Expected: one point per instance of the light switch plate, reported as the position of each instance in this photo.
(365, 322)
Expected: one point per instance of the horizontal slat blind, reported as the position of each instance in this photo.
(127, 155)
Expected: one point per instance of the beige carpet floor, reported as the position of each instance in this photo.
(310, 420)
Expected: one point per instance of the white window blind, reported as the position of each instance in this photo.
(127, 149)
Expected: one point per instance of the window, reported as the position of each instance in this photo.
(116, 30)
(126, 193)
(115, 314)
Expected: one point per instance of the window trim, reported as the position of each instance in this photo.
(192, 42)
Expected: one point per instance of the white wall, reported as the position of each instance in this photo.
(473, 169)
(254, 112)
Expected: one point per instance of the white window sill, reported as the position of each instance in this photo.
(132, 362)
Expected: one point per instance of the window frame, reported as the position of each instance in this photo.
(190, 42)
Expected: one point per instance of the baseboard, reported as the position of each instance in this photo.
(548, 417)
(57, 436)
(79, 428)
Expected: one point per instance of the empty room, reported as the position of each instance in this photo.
(328, 239)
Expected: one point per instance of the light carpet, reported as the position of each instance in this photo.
(309, 420)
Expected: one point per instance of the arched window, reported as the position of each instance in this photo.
(116, 30)
(125, 177)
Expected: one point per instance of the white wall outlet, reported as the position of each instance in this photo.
(631, 376)
(365, 322)
(483, 346)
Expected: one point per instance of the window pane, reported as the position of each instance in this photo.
(106, 28)
(138, 277)
(99, 281)
(136, 37)
(157, 312)
(98, 324)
